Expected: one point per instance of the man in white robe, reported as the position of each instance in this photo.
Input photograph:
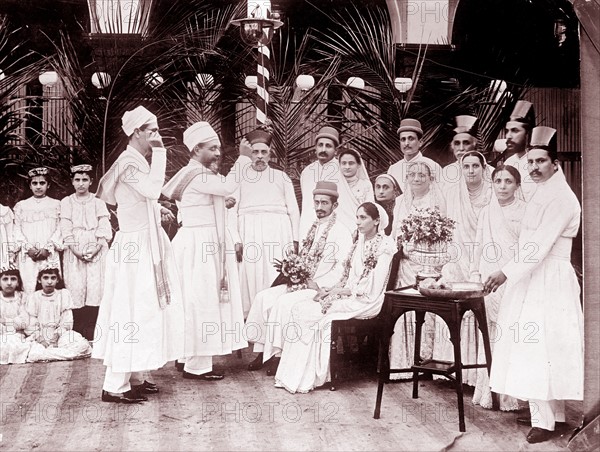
(464, 140)
(410, 132)
(207, 269)
(518, 130)
(539, 353)
(325, 168)
(327, 239)
(139, 321)
(266, 215)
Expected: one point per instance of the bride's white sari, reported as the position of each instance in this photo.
(304, 361)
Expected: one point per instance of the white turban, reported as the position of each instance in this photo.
(200, 132)
(135, 119)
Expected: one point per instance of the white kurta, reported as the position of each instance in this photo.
(528, 185)
(400, 169)
(304, 363)
(267, 217)
(13, 322)
(6, 235)
(545, 360)
(211, 327)
(51, 319)
(497, 239)
(36, 224)
(133, 333)
(275, 304)
(84, 223)
(330, 172)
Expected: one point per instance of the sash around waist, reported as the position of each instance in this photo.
(278, 210)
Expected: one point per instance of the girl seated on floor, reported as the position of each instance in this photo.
(13, 318)
(51, 321)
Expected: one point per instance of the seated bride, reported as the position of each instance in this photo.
(359, 294)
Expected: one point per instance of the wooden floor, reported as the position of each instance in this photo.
(56, 406)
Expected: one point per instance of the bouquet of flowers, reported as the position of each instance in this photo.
(427, 228)
(294, 270)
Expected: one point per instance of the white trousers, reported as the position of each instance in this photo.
(197, 365)
(120, 382)
(546, 413)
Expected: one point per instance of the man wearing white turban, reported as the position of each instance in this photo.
(141, 313)
(208, 273)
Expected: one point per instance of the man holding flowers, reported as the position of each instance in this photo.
(318, 264)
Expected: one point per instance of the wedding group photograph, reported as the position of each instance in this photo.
(299, 225)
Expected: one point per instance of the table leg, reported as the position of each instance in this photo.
(419, 319)
(384, 366)
(455, 338)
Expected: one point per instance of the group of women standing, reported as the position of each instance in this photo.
(487, 205)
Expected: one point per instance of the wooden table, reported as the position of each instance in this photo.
(396, 303)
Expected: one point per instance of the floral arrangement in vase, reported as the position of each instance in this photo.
(427, 228)
(426, 234)
(295, 270)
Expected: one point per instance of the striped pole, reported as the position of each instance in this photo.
(262, 85)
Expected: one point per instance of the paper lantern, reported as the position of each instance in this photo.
(251, 81)
(403, 84)
(48, 78)
(101, 79)
(355, 82)
(305, 82)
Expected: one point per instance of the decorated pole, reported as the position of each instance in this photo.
(262, 85)
(257, 30)
(261, 9)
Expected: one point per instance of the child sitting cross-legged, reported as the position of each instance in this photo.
(13, 317)
(51, 321)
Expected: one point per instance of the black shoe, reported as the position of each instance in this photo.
(539, 435)
(272, 365)
(257, 363)
(146, 388)
(179, 366)
(208, 376)
(526, 420)
(130, 396)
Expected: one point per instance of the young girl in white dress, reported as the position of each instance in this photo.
(13, 318)
(85, 228)
(36, 231)
(51, 321)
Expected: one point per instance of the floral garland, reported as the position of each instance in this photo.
(369, 263)
(313, 257)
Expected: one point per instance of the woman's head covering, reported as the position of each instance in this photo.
(393, 181)
(384, 219)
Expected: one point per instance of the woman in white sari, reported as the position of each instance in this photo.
(464, 202)
(422, 191)
(304, 362)
(354, 186)
(498, 230)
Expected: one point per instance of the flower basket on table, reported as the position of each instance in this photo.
(425, 235)
(293, 271)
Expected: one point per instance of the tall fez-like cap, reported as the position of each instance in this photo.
(466, 124)
(200, 132)
(328, 132)
(259, 136)
(326, 188)
(410, 125)
(543, 138)
(524, 113)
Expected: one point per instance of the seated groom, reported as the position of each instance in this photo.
(326, 246)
